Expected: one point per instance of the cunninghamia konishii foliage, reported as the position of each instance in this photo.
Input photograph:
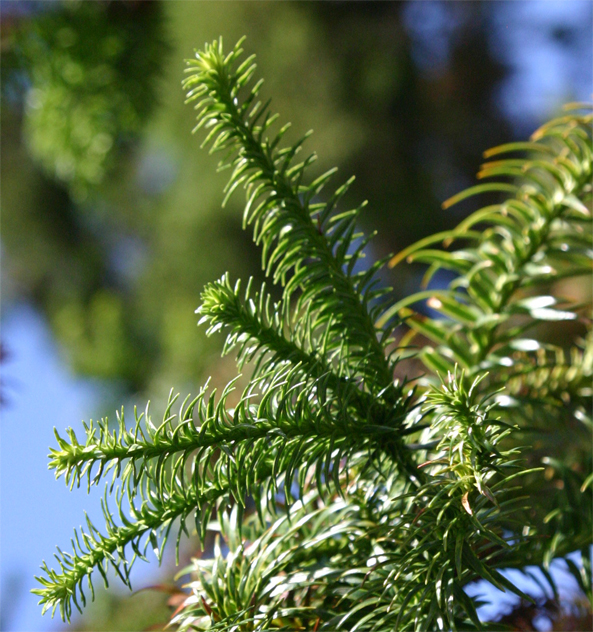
(347, 500)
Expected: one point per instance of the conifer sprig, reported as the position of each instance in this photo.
(448, 532)
(280, 578)
(306, 245)
(256, 329)
(147, 525)
(554, 375)
(214, 457)
(290, 410)
(540, 234)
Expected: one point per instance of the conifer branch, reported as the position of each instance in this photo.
(305, 245)
(276, 579)
(253, 450)
(449, 532)
(373, 509)
(291, 411)
(151, 522)
(541, 234)
(554, 376)
(256, 330)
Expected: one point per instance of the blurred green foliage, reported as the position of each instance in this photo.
(92, 69)
(123, 612)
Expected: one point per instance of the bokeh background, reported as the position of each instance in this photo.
(112, 218)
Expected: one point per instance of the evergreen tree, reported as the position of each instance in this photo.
(344, 497)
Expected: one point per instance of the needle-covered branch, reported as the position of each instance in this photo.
(343, 502)
(307, 246)
(536, 236)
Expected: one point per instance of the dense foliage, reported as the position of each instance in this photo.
(93, 71)
(344, 497)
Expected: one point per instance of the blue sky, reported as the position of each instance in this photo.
(38, 512)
